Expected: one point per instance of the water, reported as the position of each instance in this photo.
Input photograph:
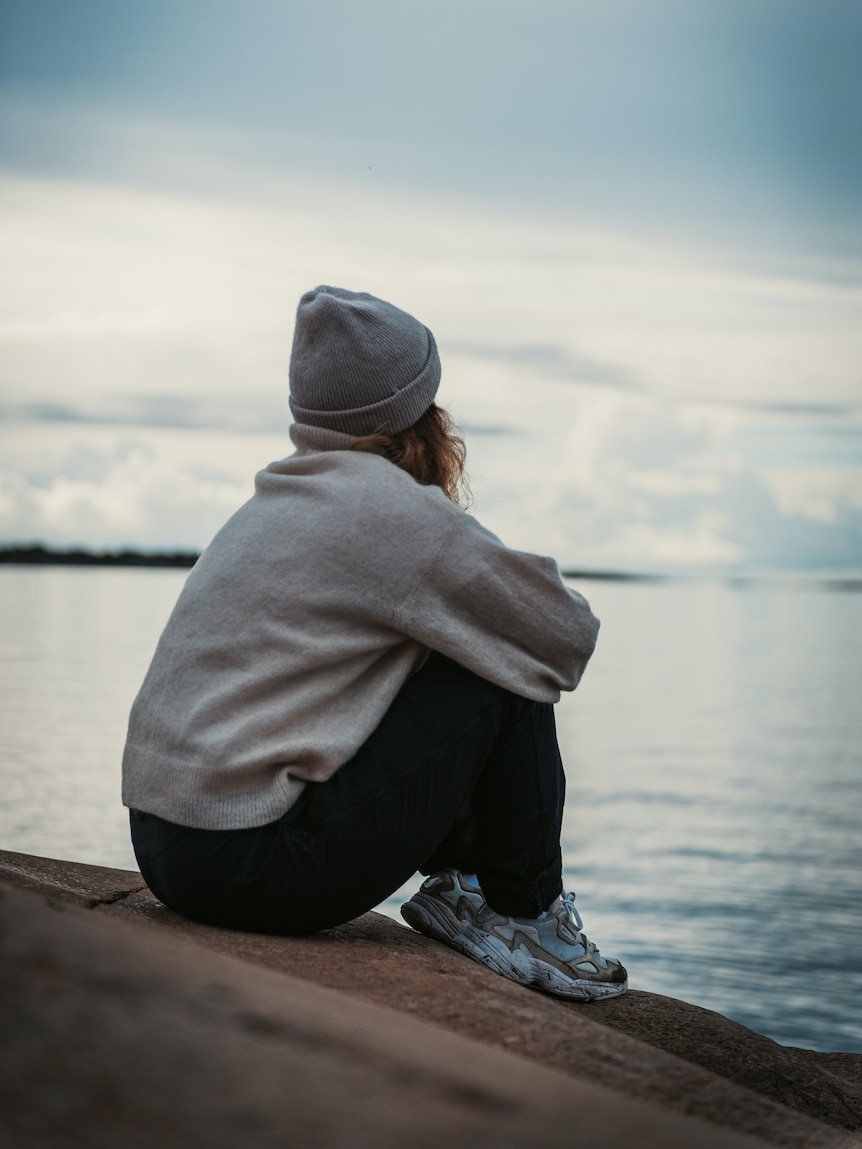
(713, 754)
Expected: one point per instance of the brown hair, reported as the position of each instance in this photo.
(432, 451)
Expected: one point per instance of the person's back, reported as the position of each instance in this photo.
(282, 652)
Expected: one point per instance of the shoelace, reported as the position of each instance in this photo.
(567, 902)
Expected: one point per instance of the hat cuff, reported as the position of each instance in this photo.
(393, 414)
(309, 440)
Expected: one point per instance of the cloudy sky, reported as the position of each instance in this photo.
(635, 228)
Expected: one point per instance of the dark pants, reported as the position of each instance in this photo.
(458, 773)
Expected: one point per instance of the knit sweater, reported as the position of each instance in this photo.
(307, 613)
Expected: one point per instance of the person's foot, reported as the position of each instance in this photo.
(443, 905)
(551, 954)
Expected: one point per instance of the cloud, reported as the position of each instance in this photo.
(556, 362)
(822, 495)
(737, 119)
(616, 391)
(117, 291)
(115, 487)
(638, 483)
(622, 482)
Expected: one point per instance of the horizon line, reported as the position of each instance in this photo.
(40, 554)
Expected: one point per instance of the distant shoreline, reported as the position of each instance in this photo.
(38, 555)
(78, 557)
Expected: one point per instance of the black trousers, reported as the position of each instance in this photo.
(459, 773)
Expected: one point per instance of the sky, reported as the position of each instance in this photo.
(634, 227)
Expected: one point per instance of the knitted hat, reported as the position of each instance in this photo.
(358, 363)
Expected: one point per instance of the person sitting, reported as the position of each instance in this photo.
(358, 682)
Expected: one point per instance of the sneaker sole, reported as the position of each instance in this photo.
(429, 917)
(524, 968)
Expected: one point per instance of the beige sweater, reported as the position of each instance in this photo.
(304, 617)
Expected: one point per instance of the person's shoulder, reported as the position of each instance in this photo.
(358, 482)
(314, 468)
(377, 483)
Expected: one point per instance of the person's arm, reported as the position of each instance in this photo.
(504, 614)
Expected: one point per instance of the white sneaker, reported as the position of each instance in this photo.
(551, 954)
(443, 905)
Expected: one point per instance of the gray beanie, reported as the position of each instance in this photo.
(358, 363)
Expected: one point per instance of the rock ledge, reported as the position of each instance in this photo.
(123, 1023)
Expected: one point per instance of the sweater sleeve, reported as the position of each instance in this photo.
(504, 614)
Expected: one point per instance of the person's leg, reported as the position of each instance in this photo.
(457, 851)
(526, 929)
(451, 741)
(517, 808)
(350, 841)
(212, 876)
(509, 831)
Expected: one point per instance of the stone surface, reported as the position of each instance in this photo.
(114, 1035)
(643, 1045)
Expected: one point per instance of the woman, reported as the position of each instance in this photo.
(358, 682)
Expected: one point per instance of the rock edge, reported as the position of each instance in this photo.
(673, 1058)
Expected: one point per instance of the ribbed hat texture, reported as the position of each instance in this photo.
(358, 363)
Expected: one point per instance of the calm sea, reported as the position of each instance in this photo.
(713, 754)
